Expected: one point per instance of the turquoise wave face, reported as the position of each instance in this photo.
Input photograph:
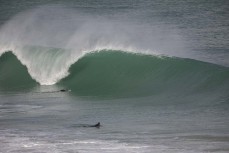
(117, 73)
(121, 74)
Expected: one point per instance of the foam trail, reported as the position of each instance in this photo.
(66, 35)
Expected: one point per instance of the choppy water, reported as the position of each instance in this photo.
(154, 73)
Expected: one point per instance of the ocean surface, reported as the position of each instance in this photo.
(155, 74)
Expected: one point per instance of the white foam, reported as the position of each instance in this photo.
(18, 143)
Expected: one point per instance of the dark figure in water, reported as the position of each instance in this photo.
(96, 125)
(87, 125)
(64, 90)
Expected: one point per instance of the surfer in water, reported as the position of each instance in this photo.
(64, 90)
(96, 125)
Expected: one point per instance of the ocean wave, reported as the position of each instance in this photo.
(120, 73)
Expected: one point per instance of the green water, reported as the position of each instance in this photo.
(153, 73)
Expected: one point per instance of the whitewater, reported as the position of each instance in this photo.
(155, 74)
(48, 42)
(66, 38)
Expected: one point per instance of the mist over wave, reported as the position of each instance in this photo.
(32, 35)
(54, 44)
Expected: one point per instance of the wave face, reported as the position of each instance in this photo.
(123, 74)
(14, 75)
(118, 73)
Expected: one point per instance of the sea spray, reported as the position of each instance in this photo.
(49, 39)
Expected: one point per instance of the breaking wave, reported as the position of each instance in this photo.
(120, 73)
